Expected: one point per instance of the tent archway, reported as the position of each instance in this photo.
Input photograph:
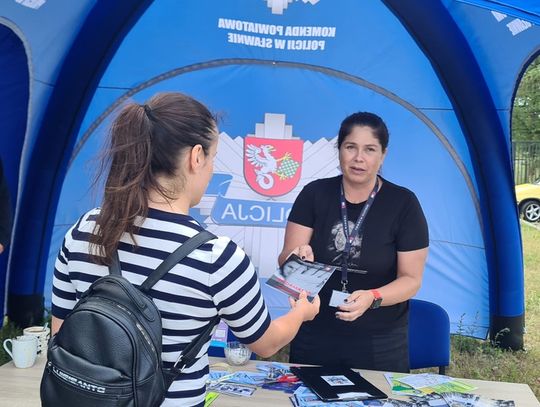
(14, 96)
(84, 82)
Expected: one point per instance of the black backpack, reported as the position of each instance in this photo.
(108, 350)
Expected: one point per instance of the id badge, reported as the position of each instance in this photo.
(338, 298)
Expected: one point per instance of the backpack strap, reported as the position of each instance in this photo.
(114, 268)
(188, 355)
(167, 264)
(187, 247)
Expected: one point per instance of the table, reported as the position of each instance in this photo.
(20, 388)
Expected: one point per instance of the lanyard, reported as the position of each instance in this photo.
(357, 229)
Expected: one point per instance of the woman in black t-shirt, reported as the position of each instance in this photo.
(377, 235)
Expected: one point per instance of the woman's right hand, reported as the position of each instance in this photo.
(282, 330)
(309, 309)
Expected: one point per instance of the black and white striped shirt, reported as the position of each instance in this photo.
(217, 278)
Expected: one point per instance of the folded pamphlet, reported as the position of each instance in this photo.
(296, 275)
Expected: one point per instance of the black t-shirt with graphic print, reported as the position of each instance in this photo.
(395, 222)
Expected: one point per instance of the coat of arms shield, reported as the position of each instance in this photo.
(272, 167)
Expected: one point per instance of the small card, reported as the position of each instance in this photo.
(338, 298)
(234, 389)
(285, 387)
(352, 395)
(210, 397)
(337, 380)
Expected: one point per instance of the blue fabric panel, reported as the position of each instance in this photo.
(47, 158)
(525, 9)
(414, 151)
(49, 31)
(40, 93)
(14, 91)
(449, 125)
(479, 119)
(365, 46)
(500, 47)
(459, 272)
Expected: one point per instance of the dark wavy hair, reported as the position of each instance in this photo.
(145, 141)
(366, 119)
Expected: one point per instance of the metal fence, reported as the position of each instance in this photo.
(526, 158)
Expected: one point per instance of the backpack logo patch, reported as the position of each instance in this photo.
(75, 381)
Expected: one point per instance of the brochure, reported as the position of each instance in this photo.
(474, 400)
(210, 397)
(417, 381)
(296, 275)
(304, 397)
(400, 388)
(433, 383)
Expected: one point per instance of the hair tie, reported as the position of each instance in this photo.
(148, 112)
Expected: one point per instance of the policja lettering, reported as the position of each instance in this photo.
(254, 213)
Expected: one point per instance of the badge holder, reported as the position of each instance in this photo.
(338, 298)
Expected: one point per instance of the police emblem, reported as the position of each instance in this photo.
(272, 167)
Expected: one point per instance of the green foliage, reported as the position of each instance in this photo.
(526, 109)
(476, 359)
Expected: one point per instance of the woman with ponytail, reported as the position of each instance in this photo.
(158, 165)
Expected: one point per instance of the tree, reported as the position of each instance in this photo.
(526, 110)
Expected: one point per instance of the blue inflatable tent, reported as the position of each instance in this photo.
(442, 73)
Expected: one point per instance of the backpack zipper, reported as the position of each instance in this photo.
(141, 329)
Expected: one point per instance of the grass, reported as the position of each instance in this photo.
(472, 358)
(475, 359)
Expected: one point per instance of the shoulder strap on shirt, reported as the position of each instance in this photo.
(187, 247)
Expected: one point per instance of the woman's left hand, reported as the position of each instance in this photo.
(357, 303)
(305, 252)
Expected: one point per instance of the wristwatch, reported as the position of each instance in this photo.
(377, 299)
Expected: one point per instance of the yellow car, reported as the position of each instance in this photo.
(528, 199)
